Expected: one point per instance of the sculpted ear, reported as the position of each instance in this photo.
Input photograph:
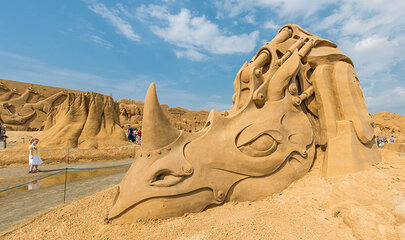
(344, 120)
(339, 97)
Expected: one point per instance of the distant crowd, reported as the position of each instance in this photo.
(134, 135)
(383, 140)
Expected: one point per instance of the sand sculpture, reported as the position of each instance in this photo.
(68, 118)
(25, 106)
(296, 102)
(131, 113)
(88, 120)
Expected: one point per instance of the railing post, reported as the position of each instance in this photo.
(64, 190)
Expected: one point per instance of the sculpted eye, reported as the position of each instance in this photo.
(259, 146)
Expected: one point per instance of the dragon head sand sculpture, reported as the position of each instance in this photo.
(297, 101)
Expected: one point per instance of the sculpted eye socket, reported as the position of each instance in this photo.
(260, 146)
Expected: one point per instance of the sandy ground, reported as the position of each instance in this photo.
(364, 205)
(21, 137)
(17, 153)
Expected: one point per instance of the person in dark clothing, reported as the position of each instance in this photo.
(130, 133)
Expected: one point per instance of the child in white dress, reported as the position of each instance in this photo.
(34, 159)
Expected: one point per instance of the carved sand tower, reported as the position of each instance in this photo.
(296, 102)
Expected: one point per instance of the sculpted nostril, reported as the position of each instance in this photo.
(161, 175)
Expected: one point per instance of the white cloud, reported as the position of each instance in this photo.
(392, 99)
(400, 91)
(371, 42)
(100, 41)
(190, 54)
(112, 16)
(250, 19)
(271, 25)
(196, 34)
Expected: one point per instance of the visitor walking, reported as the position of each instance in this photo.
(139, 136)
(130, 133)
(383, 141)
(392, 139)
(378, 141)
(34, 159)
(135, 135)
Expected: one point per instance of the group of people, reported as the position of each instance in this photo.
(189, 131)
(383, 140)
(134, 135)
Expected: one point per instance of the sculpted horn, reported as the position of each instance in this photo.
(157, 130)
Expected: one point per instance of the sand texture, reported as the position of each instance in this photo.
(390, 124)
(364, 205)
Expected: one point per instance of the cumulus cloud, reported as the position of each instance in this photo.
(196, 34)
(113, 17)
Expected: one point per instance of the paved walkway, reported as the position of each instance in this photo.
(23, 205)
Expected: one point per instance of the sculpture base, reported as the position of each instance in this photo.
(346, 154)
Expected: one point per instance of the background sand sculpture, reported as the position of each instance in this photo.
(298, 101)
(25, 106)
(131, 112)
(88, 120)
(390, 124)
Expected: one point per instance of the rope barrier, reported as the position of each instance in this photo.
(65, 169)
(31, 181)
(57, 149)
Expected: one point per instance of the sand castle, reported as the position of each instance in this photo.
(297, 102)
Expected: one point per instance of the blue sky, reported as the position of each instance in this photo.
(192, 50)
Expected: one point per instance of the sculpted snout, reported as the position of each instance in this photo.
(160, 181)
(153, 175)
